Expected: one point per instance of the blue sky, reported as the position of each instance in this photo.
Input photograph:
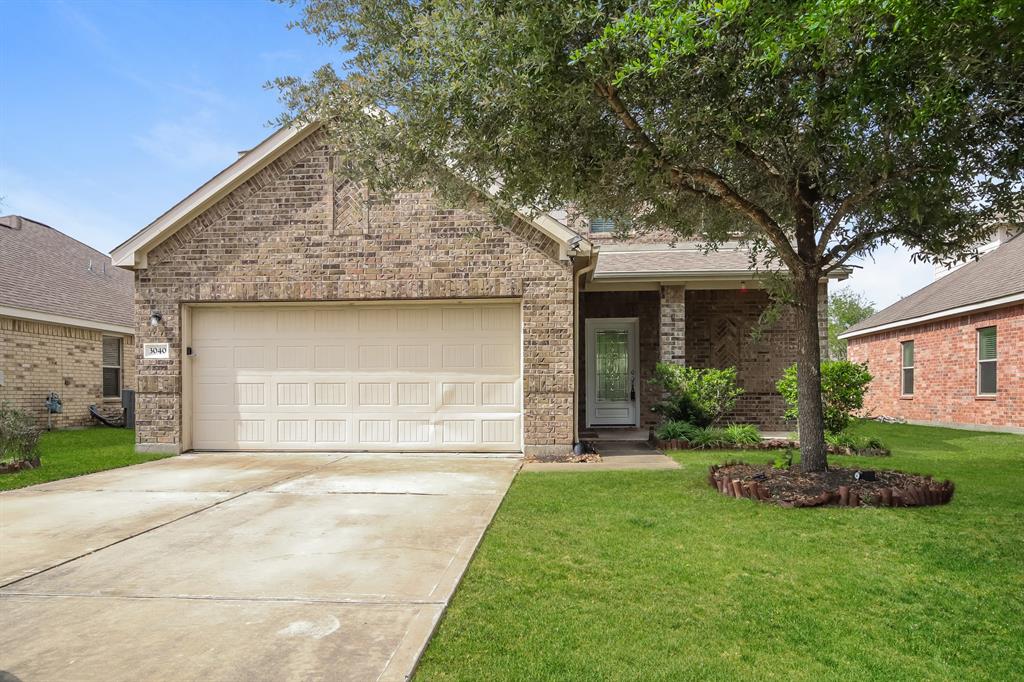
(114, 111)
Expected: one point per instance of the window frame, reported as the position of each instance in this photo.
(979, 361)
(604, 221)
(119, 367)
(904, 367)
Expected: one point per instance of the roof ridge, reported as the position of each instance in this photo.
(62, 234)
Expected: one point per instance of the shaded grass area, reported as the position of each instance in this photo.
(655, 576)
(64, 454)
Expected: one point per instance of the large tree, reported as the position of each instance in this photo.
(812, 130)
(846, 308)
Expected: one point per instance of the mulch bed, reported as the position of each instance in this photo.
(771, 444)
(790, 487)
(569, 457)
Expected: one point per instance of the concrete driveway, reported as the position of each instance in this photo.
(240, 566)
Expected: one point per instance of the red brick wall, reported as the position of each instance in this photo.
(945, 374)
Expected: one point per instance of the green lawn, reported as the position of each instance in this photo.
(655, 576)
(64, 454)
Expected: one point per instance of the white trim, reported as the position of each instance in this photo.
(942, 314)
(34, 316)
(132, 253)
(128, 254)
(978, 361)
(632, 325)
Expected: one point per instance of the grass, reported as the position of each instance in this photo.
(655, 576)
(64, 454)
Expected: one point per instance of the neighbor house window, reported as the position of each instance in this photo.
(987, 361)
(908, 368)
(602, 225)
(111, 366)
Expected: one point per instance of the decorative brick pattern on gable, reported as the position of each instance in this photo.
(718, 334)
(294, 232)
(945, 371)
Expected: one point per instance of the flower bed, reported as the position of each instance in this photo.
(790, 487)
(771, 444)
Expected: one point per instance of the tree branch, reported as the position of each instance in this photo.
(702, 181)
(855, 199)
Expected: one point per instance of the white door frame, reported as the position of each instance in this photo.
(632, 325)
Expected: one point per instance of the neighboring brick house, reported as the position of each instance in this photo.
(951, 353)
(66, 324)
(303, 313)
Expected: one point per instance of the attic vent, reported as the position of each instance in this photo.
(11, 222)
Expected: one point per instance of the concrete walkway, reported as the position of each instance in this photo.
(615, 456)
(240, 567)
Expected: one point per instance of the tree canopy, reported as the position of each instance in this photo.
(846, 308)
(812, 130)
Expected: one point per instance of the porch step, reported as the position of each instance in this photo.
(621, 434)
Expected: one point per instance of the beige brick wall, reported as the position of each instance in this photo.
(37, 358)
(294, 232)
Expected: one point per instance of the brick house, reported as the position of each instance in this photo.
(302, 312)
(952, 353)
(66, 324)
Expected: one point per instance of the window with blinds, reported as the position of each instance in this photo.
(987, 384)
(602, 225)
(111, 367)
(907, 380)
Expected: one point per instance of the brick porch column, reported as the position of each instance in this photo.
(673, 324)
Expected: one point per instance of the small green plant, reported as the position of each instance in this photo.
(709, 437)
(19, 436)
(856, 444)
(842, 391)
(784, 461)
(742, 434)
(676, 430)
(697, 396)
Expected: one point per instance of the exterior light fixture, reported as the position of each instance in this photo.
(743, 287)
(155, 318)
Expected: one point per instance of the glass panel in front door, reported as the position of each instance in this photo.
(612, 365)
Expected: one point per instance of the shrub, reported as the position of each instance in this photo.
(842, 391)
(709, 437)
(19, 436)
(854, 443)
(676, 430)
(742, 434)
(697, 396)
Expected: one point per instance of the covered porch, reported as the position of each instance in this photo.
(642, 306)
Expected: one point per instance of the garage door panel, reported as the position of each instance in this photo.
(379, 377)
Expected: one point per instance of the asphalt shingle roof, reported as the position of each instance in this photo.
(46, 271)
(669, 260)
(996, 274)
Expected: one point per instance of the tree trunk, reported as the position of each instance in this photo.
(808, 378)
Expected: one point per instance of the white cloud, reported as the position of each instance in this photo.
(189, 143)
(889, 275)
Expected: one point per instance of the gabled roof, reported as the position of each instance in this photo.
(46, 275)
(995, 279)
(132, 253)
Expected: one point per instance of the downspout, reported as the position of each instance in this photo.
(576, 342)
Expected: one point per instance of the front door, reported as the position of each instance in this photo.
(611, 372)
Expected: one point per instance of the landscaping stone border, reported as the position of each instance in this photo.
(921, 490)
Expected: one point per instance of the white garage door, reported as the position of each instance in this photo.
(357, 377)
